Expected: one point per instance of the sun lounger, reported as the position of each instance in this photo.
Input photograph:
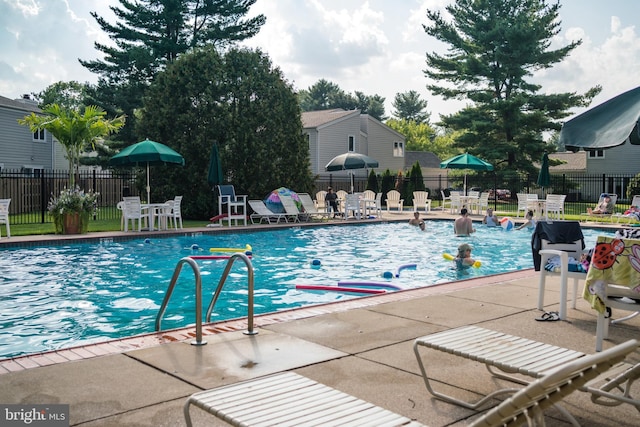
(289, 399)
(505, 355)
(263, 213)
(528, 404)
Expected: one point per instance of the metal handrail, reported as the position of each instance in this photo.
(172, 285)
(247, 261)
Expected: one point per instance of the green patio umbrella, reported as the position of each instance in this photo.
(146, 153)
(544, 177)
(466, 161)
(214, 176)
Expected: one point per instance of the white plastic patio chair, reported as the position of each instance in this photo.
(4, 215)
(132, 211)
(394, 201)
(421, 200)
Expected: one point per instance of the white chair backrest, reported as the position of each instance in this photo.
(132, 207)
(522, 200)
(444, 197)
(307, 203)
(378, 200)
(393, 195)
(420, 197)
(4, 207)
(474, 193)
(573, 249)
(369, 195)
(320, 195)
(636, 201)
(342, 195)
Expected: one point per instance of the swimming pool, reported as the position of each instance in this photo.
(53, 297)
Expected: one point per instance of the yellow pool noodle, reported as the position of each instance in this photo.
(450, 257)
(246, 249)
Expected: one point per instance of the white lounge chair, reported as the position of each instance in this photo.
(309, 207)
(595, 217)
(290, 399)
(504, 354)
(290, 208)
(263, 213)
(528, 404)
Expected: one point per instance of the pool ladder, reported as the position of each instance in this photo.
(223, 278)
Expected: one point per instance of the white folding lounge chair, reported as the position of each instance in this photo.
(263, 213)
(309, 207)
(504, 354)
(290, 208)
(289, 399)
(528, 404)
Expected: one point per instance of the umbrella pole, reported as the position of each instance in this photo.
(148, 187)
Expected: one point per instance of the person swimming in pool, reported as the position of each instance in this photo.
(463, 260)
(463, 226)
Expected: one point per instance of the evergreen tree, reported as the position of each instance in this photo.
(240, 102)
(494, 46)
(410, 107)
(388, 183)
(149, 35)
(372, 182)
(326, 95)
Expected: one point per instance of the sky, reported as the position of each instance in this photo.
(371, 46)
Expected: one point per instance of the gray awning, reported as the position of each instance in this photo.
(607, 125)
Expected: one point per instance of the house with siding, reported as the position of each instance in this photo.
(333, 132)
(19, 147)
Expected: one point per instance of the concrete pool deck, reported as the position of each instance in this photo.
(362, 347)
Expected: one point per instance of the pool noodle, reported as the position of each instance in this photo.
(372, 284)
(341, 289)
(404, 267)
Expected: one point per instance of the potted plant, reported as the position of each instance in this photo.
(75, 129)
(71, 210)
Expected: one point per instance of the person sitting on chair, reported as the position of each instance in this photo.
(332, 201)
(605, 207)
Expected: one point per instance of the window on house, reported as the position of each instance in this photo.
(595, 154)
(398, 149)
(38, 136)
(351, 143)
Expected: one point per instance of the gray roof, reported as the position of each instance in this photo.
(19, 104)
(314, 119)
(575, 162)
(426, 159)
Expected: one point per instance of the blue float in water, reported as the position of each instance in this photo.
(195, 247)
(387, 275)
(147, 240)
(315, 262)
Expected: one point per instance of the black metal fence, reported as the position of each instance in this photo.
(30, 191)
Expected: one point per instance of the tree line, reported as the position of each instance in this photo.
(175, 71)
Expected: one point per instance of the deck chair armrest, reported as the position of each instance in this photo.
(546, 254)
(225, 198)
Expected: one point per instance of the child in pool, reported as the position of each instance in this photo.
(530, 223)
(464, 260)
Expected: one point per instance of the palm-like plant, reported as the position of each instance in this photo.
(74, 129)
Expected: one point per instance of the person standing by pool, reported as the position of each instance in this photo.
(331, 199)
(463, 226)
(491, 219)
(463, 260)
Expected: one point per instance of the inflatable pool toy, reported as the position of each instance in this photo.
(362, 284)
(316, 262)
(341, 289)
(245, 249)
(404, 267)
(450, 257)
(214, 256)
(387, 275)
(506, 223)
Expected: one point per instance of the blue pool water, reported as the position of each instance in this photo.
(53, 297)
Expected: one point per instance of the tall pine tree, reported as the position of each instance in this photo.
(494, 46)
